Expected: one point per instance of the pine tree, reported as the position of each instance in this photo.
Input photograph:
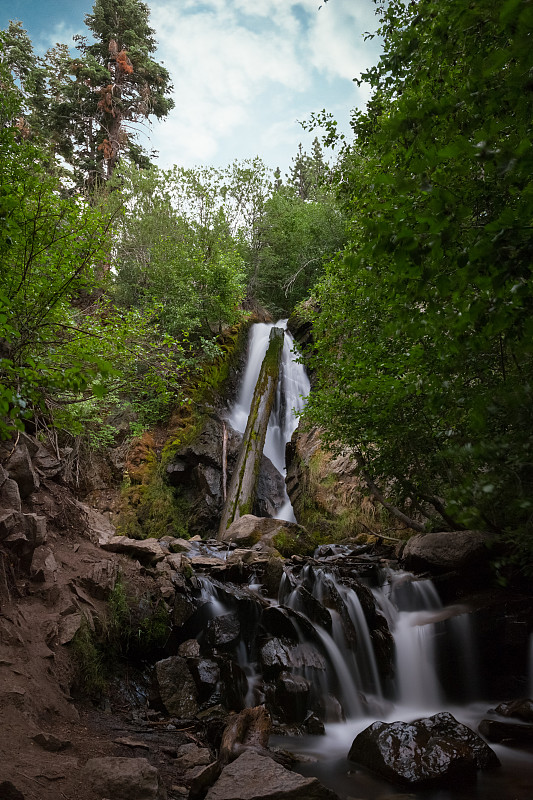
(136, 86)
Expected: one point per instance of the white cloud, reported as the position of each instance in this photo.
(245, 70)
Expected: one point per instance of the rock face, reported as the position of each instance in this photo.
(436, 750)
(256, 777)
(124, 779)
(438, 553)
(325, 487)
(197, 468)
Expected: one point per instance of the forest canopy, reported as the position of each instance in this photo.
(424, 339)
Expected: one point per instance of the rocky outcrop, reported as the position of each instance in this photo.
(435, 751)
(511, 723)
(197, 468)
(257, 777)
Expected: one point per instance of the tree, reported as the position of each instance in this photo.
(424, 355)
(175, 248)
(135, 86)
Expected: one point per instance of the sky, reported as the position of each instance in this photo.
(245, 72)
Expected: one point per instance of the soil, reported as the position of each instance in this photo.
(37, 671)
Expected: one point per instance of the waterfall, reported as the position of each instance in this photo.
(292, 390)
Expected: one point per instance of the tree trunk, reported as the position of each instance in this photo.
(243, 485)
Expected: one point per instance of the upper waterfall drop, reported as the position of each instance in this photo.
(292, 391)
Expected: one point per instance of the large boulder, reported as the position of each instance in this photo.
(9, 492)
(256, 777)
(124, 779)
(177, 689)
(454, 551)
(437, 750)
(268, 534)
(20, 469)
(250, 729)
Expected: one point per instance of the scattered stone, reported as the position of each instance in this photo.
(124, 779)
(68, 627)
(20, 469)
(257, 777)
(147, 551)
(436, 750)
(189, 649)
(200, 778)
(190, 755)
(102, 579)
(50, 742)
(127, 742)
(9, 492)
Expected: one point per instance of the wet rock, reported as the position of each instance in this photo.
(270, 490)
(521, 709)
(124, 779)
(314, 610)
(436, 750)
(272, 575)
(224, 630)
(278, 655)
(292, 693)
(507, 732)
(249, 729)
(257, 777)
(277, 621)
(176, 687)
(147, 551)
(234, 684)
(206, 675)
(438, 553)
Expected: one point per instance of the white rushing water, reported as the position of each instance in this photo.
(292, 391)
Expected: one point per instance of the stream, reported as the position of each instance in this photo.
(332, 659)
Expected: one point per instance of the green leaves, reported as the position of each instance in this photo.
(424, 355)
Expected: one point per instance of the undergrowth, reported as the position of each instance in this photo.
(135, 630)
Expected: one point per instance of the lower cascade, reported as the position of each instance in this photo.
(359, 663)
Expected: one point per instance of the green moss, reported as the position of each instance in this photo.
(153, 510)
(289, 543)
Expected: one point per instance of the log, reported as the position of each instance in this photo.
(243, 485)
